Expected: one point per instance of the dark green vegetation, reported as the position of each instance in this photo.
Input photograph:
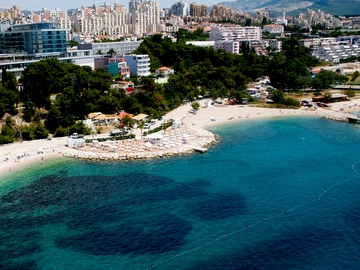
(56, 95)
(198, 34)
(350, 59)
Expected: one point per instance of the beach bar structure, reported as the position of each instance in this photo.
(140, 117)
(176, 124)
(336, 97)
(75, 143)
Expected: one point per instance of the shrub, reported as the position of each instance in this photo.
(61, 132)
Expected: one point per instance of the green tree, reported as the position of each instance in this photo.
(40, 79)
(148, 84)
(350, 93)
(196, 106)
(355, 75)
(325, 79)
(61, 132)
(54, 118)
(111, 52)
(277, 96)
(80, 128)
(40, 132)
(3, 75)
(127, 121)
(101, 80)
(141, 126)
(28, 111)
(7, 132)
(9, 95)
(73, 43)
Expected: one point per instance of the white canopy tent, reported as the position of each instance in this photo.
(155, 138)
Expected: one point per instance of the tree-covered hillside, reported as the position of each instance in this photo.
(58, 94)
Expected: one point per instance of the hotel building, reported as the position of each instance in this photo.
(35, 38)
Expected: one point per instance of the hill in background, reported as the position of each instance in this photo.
(293, 7)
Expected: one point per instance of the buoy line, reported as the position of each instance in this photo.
(256, 223)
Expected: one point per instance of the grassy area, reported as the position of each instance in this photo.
(357, 81)
(300, 96)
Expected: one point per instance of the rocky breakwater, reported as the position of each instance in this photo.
(339, 118)
(200, 138)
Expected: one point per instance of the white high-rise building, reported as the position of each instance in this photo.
(106, 20)
(228, 46)
(145, 18)
(179, 9)
(235, 33)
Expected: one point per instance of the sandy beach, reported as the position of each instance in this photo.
(192, 134)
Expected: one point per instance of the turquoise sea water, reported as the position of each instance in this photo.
(255, 200)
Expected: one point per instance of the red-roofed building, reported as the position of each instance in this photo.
(164, 71)
(129, 87)
(122, 114)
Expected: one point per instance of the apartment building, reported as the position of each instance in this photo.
(333, 49)
(121, 47)
(235, 33)
(144, 18)
(179, 9)
(109, 23)
(197, 11)
(276, 29)
(229, 46)
(139, 64)
(115, 65)
(274, 44)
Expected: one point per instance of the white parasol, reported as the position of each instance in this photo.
(148, 144)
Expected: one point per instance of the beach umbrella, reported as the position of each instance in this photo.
(148, 144)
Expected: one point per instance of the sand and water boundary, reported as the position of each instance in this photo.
(190, 137)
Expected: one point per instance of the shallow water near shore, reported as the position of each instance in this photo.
(272, 194)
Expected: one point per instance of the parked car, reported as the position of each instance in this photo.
(146, 126)
(77, 136)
